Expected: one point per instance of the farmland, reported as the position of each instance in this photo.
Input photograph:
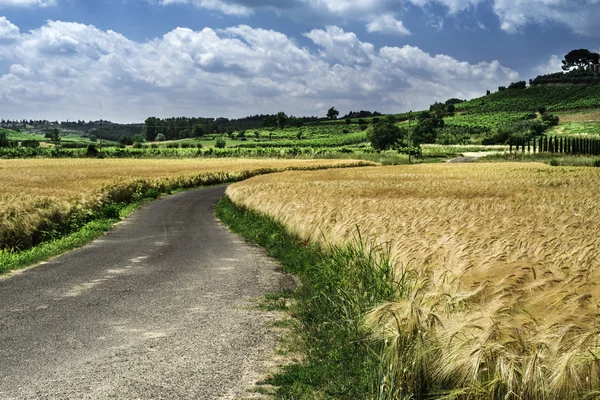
(495, 265)
(554, 97)
(38, 195)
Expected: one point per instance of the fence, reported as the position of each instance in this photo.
(554, 144)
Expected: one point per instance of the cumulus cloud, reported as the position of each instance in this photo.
(70, 70)
(581, 16)
(387, 24)
(554, 64)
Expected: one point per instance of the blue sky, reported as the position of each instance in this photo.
(125, 60)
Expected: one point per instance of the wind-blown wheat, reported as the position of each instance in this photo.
(504, 259)
(35, 194)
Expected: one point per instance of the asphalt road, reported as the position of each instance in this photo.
(159, 308)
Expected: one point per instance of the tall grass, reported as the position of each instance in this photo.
(338, 286)
(503, 264)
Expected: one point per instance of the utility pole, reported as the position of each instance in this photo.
(409, 146)
(100, 135)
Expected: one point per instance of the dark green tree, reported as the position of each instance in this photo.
(54, 136)
(281, 119)
(3, 140)
(579, 59)
(151, 128)
(385, 135)
(199, 130)
(332, 113)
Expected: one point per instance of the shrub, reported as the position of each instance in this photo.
(137, 145)
(597, 163)
(220, 143)
(160, 138)
(92, 150)
(30, 143)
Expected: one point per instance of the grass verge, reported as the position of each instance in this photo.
(338, 286)
(556, 160)
(69, 237)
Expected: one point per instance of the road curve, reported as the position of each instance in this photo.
(156, 309)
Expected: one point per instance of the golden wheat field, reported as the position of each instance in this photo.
(501, 261)
(36, 193)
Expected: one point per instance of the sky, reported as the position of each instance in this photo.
(126, 60)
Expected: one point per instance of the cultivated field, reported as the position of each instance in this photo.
(37, 193)
(499, 295)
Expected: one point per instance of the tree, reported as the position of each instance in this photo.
(385, 135)
(151, 128)
(281, 119)
(54, 136)
(332, 113)
(198, 131)
(579, 59)
(160, 137)
(3, 140)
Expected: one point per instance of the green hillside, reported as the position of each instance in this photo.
(555, 97)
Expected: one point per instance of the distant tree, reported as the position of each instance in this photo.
(518, 85)
(3, 140)
(198, 130)
(160, 137)
(54, 137)
(92, 137)
(488, 92)
(332, 113)
(385, 135)
(579, 59)
(138, 138)
(220, 143)
(151, 128)
(281, 119)
(126, 140)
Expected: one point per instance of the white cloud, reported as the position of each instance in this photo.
(387, 24)
(8, 30)
(27, 3)
(69, 70)
(581, 16)
(554, 64)
(228, 8)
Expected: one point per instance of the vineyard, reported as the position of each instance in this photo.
(553, 97)
(485, 120)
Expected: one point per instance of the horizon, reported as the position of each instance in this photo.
(123, 61)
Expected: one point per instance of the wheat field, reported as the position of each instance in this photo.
(37, 193)
(501, 294)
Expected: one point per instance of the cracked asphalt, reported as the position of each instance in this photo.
(159, 308)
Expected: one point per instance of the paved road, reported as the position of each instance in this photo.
(157, 308)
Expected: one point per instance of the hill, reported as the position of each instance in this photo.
(555, 97)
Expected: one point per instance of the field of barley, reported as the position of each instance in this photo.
(498, 266)
(37, 193)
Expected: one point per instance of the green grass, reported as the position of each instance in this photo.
(547, 158)
(63, 240)
(338, 286)
(591, 128)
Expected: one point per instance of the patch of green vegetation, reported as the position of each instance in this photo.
(563, 160)
(556, 97)
(76, 232)
(338, 286)
(591, 128)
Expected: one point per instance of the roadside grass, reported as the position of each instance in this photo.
(555, 160)
(339, 285)
(69, 238)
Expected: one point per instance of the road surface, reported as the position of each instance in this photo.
(159, 308)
